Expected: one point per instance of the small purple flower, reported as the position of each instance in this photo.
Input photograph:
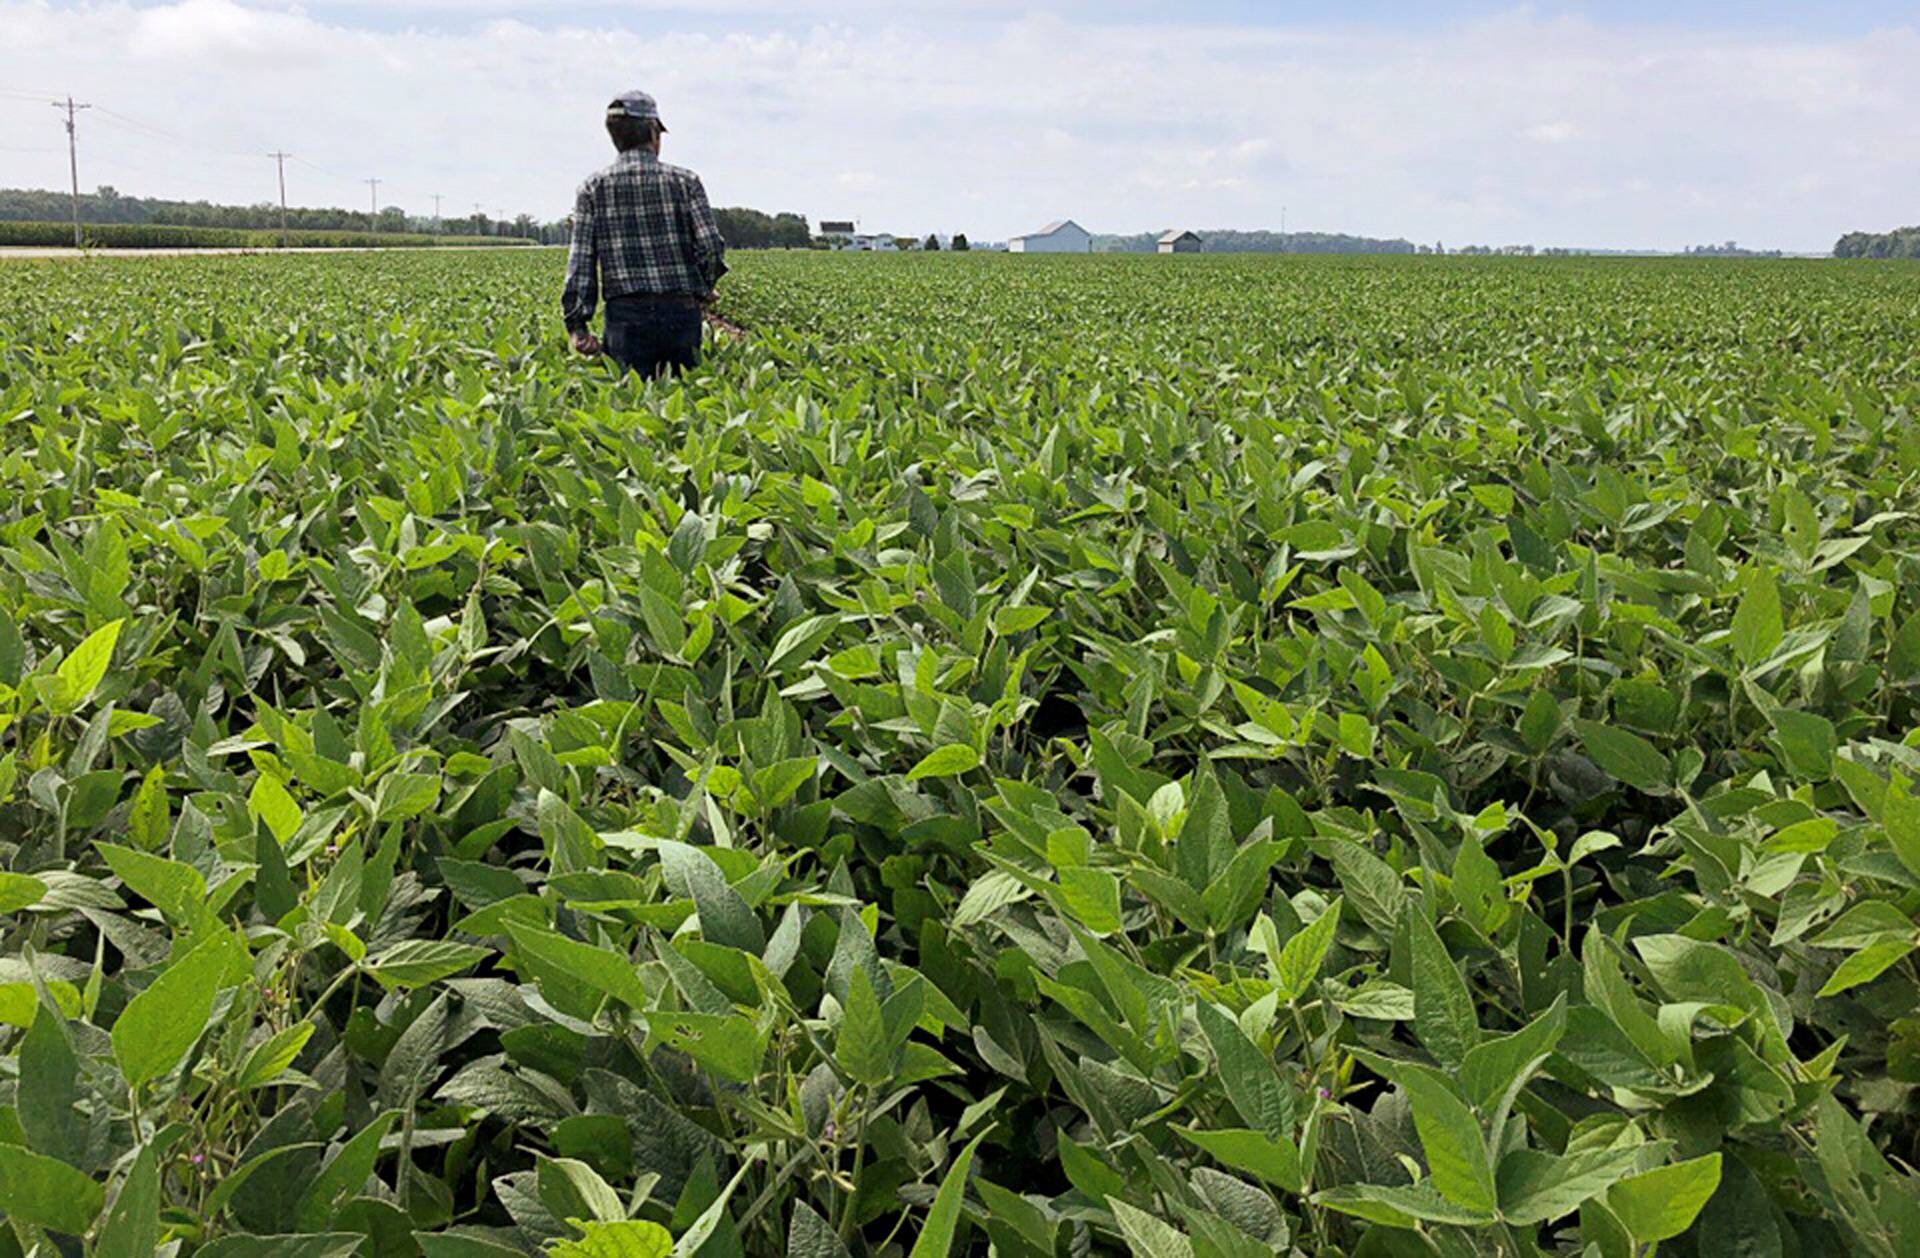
(197, 1158)
(1324, 1094)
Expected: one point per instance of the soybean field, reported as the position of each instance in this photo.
(1190, 757)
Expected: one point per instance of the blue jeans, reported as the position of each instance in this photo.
(651, 337)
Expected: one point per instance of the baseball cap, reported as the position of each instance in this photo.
(636, 105)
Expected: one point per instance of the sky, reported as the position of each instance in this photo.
(1627, 124)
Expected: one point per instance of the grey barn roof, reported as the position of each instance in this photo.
(1050, 229)
(1172, 236)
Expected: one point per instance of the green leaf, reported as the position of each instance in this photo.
(306, 1245)
(19, 891)
(1252, 1084)
(131, 1228)
(1400, 1207)
(861, 1044)
(810, 1236)
(1205, 845)
(81, 673)
(727, 1044)
(1900, 811)
(1537, 1187)
(273, 1056)
(1867, 964)
(1806, 741)
(1450, 1137)
(49, 1084)
(725, 917)
(1626, 757)
(177, 890)
(627, 1238)
(41, 1190)
(270, 802)
(1092, 896)
(1304, 954)
(1494, 1066)
(943, 1219)
(945, 762)
(417, 962)
(1147, 1236)
(343, 1175)
(1443, 1014)
(1275, 1161)
(797, 644)
(1757, 626)
(1011, 620)
(1541, 720)
(1662, 1203)
(160, 1024)
(602, 969)
(570, 1189)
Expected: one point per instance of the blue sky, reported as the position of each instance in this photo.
(1625, 124)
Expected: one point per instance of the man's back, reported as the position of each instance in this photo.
(645, 239)
(650, 229)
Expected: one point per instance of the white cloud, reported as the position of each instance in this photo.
(991, 119)
(1552, 132)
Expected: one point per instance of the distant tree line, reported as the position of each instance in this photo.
(175, 236)
(743, 228)
(1225, 241)
(1903, 242)
(107, 205)
(1731, 249)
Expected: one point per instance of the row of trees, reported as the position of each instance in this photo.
(107, 205)
(1903, 242)
(1223, 240)
(743, 228)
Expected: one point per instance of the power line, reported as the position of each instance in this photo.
(280, 160)
(73, 163)
(174, 137)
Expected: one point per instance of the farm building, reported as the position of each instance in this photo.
(1065, 236)
(1180, 242)
(841, 234)
(863, 242)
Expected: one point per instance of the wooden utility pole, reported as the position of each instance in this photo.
(373, 202)
(73, 163)
(280, 160)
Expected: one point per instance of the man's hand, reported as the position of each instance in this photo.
(584, 341)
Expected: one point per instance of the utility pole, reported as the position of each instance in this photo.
(280, 160)
(373, 203)
(479, 219)
(73, 163)
(436, 212)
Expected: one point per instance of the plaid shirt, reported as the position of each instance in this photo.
(640, 226)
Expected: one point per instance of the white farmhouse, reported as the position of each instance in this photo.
(842, 235)
(1065, 236)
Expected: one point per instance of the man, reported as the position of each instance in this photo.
(645, 239)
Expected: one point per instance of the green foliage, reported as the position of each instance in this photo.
(173, 236)
(1320, 757)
